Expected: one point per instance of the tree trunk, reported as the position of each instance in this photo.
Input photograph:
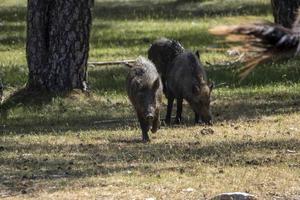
(285, 11)
(58, 44)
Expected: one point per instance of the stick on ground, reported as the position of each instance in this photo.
(111, 62)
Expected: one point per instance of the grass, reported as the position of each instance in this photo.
(79, 146)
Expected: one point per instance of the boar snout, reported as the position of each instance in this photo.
(150, 117)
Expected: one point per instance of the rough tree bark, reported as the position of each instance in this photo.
(285, 11)
(58, 44)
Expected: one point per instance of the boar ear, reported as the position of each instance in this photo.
(195, 89)
(211, 85)
(197, 54)
(156, 84)
(200, 79)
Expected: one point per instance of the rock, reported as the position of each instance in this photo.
(207, 131)
(234, 196)
(23, 191)
(188, 190)
(151, 198)
(291, 151)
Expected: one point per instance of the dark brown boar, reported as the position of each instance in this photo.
(186, 79)
(162, 53)
(144, 89)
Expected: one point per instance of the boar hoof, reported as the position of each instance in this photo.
(168, 122)
(154, 130)
(178, 121)
(146, 140)
(210, 123)
(163, 123)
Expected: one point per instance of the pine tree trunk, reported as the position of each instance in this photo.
(58, 44)
(285, 11)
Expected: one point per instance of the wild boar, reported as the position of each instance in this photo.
(144, 89)
(187, 80)
(162, 53)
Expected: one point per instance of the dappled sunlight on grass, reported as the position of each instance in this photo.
(45, 161)
(88, 145)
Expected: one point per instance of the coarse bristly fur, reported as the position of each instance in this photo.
(143, 72)
(144, 89)
(187, 80)
(162, 52)
(262, 41)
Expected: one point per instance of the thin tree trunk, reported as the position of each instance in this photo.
(285, 11)
(58, 43)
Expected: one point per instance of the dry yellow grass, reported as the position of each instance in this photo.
(259, 156)
(87, 146)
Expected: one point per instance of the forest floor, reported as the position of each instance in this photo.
(87, 146)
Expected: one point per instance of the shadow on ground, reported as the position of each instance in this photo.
(43, 163)
(107, 115)
(94, 114)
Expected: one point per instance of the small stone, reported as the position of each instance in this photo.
(291, 151)
(151, 198)
(207, 131)
(293, 129)
(234, 196)
(188, 190)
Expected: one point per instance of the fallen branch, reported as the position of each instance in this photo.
(125, 62)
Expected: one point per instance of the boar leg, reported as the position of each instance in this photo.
(169, 110)
(163, 80)
(156, 122)
(197, 118)
(145, 128)
(179, 111)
